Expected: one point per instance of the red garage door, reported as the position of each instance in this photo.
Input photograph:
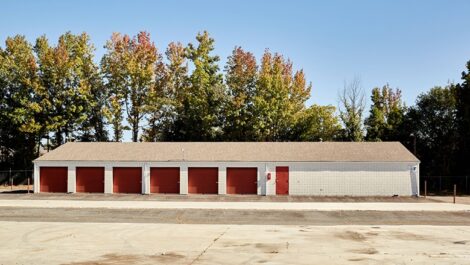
(127, 180)
(282, 180)
(90, 179)
(165, 180)
(53, 179)
(242, 180)
(203, 180)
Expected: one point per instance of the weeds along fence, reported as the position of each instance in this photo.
(16, 177)
(444, 185)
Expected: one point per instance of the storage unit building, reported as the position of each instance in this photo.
(263, 168)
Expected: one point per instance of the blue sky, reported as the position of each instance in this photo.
(413, 45)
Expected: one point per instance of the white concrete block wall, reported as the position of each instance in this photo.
(415, 178)
(222, 180)
(270, 168)
(108, 179)
(146, 179)
(352, 179)
(71, 179)
(184, 179)
(36, 182)
(261, 180)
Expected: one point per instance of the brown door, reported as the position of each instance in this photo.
(242, 180)
(90, 179)
(203, 180)
(282, 180)
(127, 180)
(53, 179)
(165, 180)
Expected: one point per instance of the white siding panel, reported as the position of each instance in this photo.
(108, 179)
(352, 179)
(36, 182)
(146, 179)
(222, 180)
(71, 179)
(270, 184)
(184, 179)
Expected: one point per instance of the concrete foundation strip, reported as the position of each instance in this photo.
(296, 206)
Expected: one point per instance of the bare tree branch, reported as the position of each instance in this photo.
(351, 107)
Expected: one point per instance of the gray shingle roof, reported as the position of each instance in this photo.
(233, 151)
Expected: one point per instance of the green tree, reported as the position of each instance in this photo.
(66, 89)
(463, 121)
(129, 67)
(140, 70)
(94, 127)
(115, 82)
(386, 114)
(317, 123)
(156, 104)
(240, 79)
(351, 110)
(433, 122)
(279, 98)
(166, 96)
(20, 108)
(202, 100)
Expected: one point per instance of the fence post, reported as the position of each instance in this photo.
(455, 191)
(425, 188)
(466, 185)
(28, 185)
(11, 181)
(440, 184)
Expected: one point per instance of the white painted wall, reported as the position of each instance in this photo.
(316, 178)
(353, 179)
(36, 183)
(183, 177)
(146, 179)
(71, 179)
(222, 181)
(108, 179)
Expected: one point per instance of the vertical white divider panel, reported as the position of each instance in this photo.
(108, 179)
(146, 179)
(262, 181)
(184, 179)
(270, 184)
(71, 179)
(222, 180)
(37, 182)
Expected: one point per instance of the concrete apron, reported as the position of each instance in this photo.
(294, 206)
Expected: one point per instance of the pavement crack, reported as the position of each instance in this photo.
(209, 246)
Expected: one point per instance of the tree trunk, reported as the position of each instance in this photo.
(117, 132)
(39, 145)
(59, 137)
(135, 129)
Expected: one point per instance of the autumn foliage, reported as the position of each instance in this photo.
(53, 93)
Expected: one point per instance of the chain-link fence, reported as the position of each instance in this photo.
(444, 185)
(16, 180)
